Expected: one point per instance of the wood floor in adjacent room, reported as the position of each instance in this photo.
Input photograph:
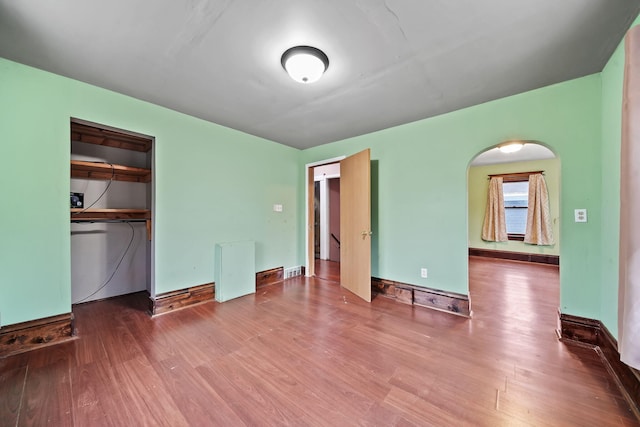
(307, 352)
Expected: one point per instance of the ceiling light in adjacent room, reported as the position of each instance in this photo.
(511, 147)
(305, 64)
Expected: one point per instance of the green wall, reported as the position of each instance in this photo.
(213, 184)
(420, 213)
(479, 186)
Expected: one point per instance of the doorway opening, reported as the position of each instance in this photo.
(112, 199)
(514, 171)
(355, 222)
(326, 220)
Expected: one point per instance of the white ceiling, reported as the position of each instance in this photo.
(391, 62)
(529, 151)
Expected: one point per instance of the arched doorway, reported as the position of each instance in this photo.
(514, 169)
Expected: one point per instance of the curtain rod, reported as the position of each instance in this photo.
(515, 174)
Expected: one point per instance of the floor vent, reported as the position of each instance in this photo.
(292, 272)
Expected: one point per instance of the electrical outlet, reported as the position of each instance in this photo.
(423, 273)
(580, 215)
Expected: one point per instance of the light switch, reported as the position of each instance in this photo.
(581, 215)
(277, 208)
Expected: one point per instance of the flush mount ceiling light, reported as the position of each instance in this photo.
(305, 64)
(511, 147)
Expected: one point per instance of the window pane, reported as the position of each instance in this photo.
(516, 220)
(516, 196)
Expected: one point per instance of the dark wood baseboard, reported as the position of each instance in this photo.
(585, 331)
(425, 297)
(25, 336)
(516, 256)
(175, 300)
(269, 277)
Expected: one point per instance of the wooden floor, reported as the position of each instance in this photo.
(306, 352)
(328, 270)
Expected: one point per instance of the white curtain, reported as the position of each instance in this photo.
(629, 284)
(538, 231)
(494, 228)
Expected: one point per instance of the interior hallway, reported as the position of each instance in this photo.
(307, 352)
(328, 270)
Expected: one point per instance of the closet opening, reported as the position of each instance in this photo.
(111, 212)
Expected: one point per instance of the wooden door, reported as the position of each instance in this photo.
(355, 224)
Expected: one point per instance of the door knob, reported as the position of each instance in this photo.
(366, 233)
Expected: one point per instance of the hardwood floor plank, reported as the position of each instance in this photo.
(96, 385)
(90, 405)
(423, 412)
(47, 396)
(255, 402)
(89, 349)
(241, 312)
(178, 339)
(145, 395)
(597, 398)
(10, 363)
(62, 354)
(154, 338)
(11, 394)
(318, 390)
(197, 401)
(215, 336)
(120, 345)
(378, 415)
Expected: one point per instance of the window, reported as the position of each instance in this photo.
(516, 198)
